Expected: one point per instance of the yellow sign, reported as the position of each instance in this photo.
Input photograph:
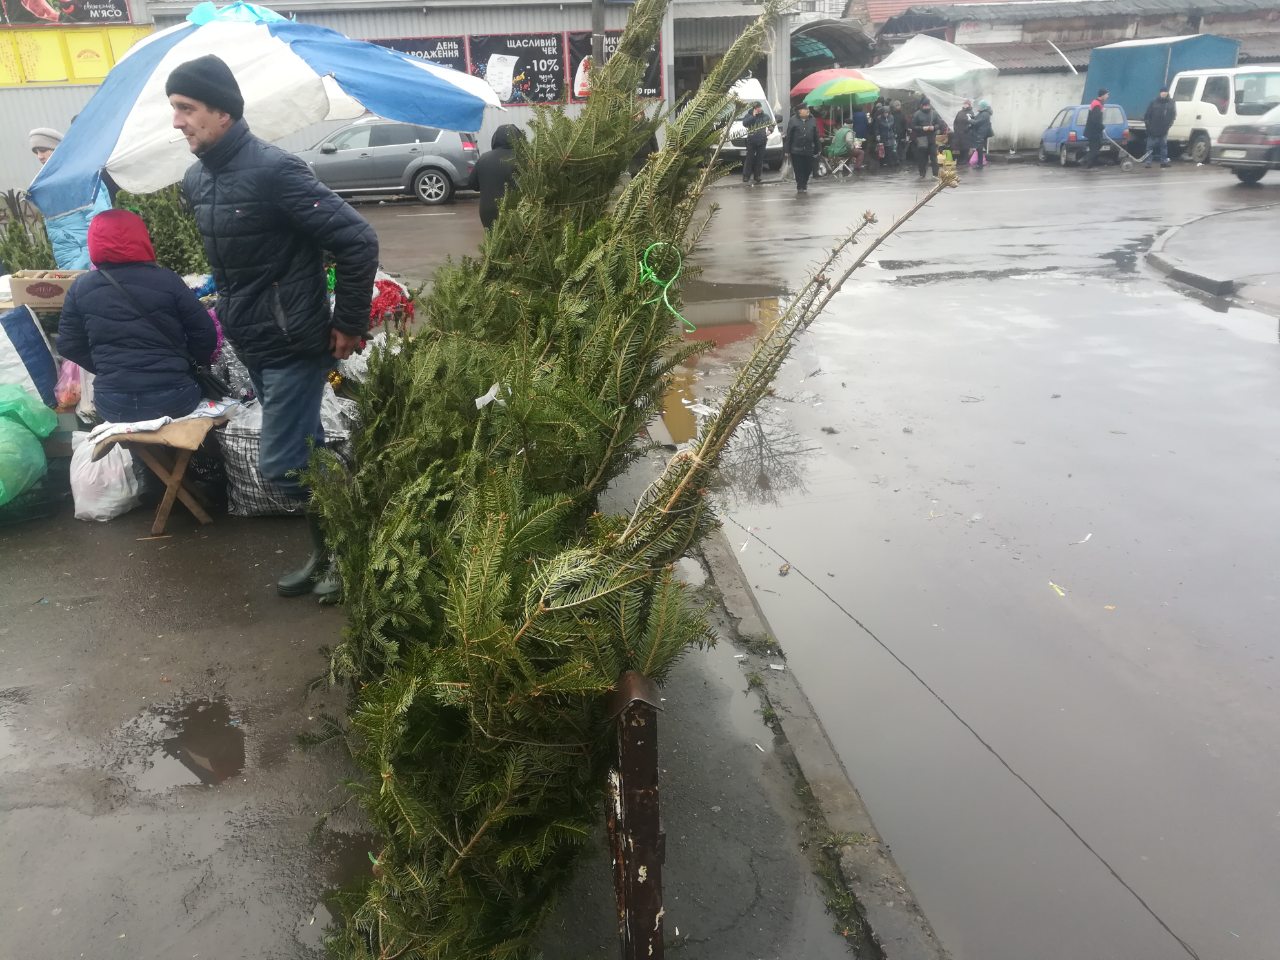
(64, 56)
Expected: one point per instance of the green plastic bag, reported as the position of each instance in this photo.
(23, 421)
(17, 404)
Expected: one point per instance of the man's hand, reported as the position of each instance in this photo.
(342, 344)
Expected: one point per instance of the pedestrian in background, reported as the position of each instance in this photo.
(802, 144)
(267, 222)
(861, 125)
(1094, 127)
(495, 172)
(980, 132)
(901, 128)
(960, 133)
(1159, 120)
(886, 136)
(758, 124)
(925, 127)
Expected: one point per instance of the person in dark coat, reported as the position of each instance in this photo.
(886, 135)
(1094, 127)
(802, 145)
(861, 124)
(960, 133)
(901, 127)
(267, 223)
(980, 131)
(139, 357)
(925, 127)
(758, 124)
(1159, 120)
(496, 171)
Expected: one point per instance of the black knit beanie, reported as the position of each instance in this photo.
(210, 81)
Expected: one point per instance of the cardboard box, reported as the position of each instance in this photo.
(42, 289)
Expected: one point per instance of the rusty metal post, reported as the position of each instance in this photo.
(633, 818)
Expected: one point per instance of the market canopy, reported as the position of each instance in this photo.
(291, 75)
(943, 72)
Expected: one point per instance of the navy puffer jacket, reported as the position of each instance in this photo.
(103, 331)
(266, 222)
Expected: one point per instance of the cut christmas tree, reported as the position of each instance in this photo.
(490, 605)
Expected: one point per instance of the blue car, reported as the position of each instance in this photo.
(1065, 140)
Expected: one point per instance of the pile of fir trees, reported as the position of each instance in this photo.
(491, 606)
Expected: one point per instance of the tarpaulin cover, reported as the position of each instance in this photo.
(945, 73)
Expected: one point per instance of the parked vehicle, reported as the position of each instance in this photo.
(1064, 138)
(749, 92)
(383, 156)
(1249, 150)
(1209, 101)
(1135, 70)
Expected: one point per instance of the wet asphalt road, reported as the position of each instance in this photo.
(1030, 513)
(154, 801)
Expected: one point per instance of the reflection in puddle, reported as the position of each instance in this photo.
(765, 458)
(200, 742)
(348, 858)
(722, 323)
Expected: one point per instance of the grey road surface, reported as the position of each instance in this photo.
(1030, 514)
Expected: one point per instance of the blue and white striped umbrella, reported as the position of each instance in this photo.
(291, 75)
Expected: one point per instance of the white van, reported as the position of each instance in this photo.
(749, 92)
(1209, 100)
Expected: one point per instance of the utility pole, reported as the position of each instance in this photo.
(597, 34)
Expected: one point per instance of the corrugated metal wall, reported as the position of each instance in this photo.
(22, 108)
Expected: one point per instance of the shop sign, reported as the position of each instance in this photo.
(521, 68)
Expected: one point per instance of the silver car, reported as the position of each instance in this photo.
(384, 156)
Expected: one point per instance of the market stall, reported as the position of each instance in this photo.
(291, 75)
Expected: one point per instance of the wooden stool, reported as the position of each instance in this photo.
(167, 452)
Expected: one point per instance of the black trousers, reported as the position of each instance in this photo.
(802, 164)
(753, 162)
(1095, 147)
(926, 155)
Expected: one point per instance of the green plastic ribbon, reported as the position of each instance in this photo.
(649, 275)
(331, 276)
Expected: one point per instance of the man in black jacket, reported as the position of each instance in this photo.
(757, 124)
(1159, 120)
(925, 127)
(267, 223)
(496, 171)
(802, 144)
(1094, 127)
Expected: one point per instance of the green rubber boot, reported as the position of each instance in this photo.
(328, 588)
(300, 582)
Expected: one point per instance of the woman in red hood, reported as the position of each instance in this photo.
(135, 325)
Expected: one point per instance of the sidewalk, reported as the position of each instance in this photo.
(1231, 255)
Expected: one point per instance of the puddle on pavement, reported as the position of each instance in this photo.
(765, 458)
(347, 858)
(200, 742)
(722, 322)
(9, 698)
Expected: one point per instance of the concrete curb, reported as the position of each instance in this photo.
(1177, 270)
(866, 863)
(1184, 273)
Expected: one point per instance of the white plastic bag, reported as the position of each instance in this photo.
(105, 489)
